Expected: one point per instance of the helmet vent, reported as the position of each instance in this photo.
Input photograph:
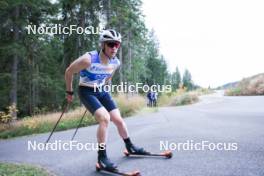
(106, 36)
(112, 32)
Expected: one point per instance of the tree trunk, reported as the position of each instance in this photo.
(108, 12)
(129, 51)
(33, 105)
(13, 91)
(30, 83)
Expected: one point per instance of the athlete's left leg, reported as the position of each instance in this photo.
(116, 118)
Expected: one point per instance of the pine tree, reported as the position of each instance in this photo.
(176, 79)
(187, 80)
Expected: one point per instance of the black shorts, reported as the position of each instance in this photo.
(95, 99)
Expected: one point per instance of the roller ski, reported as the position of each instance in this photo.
(166, 154)
(99, 168)
(132, 150)
(104, 164)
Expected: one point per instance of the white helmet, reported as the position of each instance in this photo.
(110, 35)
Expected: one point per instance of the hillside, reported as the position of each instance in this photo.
(248, 86)
(228, 85)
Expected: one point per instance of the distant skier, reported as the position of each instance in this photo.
(150, 100)
(154, 98)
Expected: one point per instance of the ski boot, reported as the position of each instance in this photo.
(104, 162)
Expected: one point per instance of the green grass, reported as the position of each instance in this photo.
(8, 169)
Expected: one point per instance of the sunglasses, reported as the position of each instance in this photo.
(113, 44)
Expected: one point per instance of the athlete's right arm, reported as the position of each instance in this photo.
(76, 66)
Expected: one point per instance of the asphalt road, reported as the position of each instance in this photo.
(219, 121)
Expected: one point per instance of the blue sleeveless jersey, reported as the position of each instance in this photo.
(97, 73)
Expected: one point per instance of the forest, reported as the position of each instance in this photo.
(33, 60)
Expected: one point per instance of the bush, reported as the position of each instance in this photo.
(187, 98)
(129, 104)
(6, 117)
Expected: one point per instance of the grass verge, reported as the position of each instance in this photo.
(182, 97)
(128, 105)
(8, 169)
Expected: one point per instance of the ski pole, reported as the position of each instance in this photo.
(79, 125)
(64, 110)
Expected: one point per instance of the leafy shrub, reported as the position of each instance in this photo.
(129, 104)
(187, 98)
(6, 117)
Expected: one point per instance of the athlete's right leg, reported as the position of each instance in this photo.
(91, 102)
(103, 118)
